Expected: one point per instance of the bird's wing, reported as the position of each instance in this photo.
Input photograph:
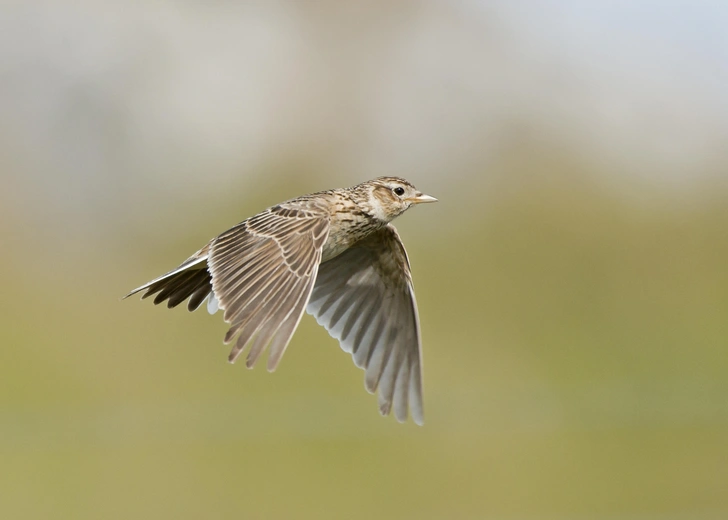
(364, 297)
(263, 271)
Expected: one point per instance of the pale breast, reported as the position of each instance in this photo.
(348, 225)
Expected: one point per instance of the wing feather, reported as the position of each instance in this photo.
(263, 271)
(364, 297)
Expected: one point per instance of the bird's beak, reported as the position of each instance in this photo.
(421, 198)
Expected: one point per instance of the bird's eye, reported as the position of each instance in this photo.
(399, 190)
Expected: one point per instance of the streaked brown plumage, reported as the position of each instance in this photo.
(333, 253)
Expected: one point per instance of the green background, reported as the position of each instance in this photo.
(574, 318)
(575, 366)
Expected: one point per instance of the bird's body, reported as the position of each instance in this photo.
(333, 253)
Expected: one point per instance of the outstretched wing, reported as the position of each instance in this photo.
(364, 297)
(263, 271)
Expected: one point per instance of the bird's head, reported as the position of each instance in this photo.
(385, 198)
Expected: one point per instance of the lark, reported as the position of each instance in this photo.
(334, 254)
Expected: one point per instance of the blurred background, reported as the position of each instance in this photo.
(572, 282)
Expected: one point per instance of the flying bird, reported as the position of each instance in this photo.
(333, 253)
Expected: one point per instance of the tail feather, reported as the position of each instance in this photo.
(172, 286)
(190, 280)
(200, 278)
(199, 295)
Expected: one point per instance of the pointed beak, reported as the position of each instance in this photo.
(421, 198)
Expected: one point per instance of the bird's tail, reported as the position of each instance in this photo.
(190, 280)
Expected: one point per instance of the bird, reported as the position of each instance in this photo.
(332, 253)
